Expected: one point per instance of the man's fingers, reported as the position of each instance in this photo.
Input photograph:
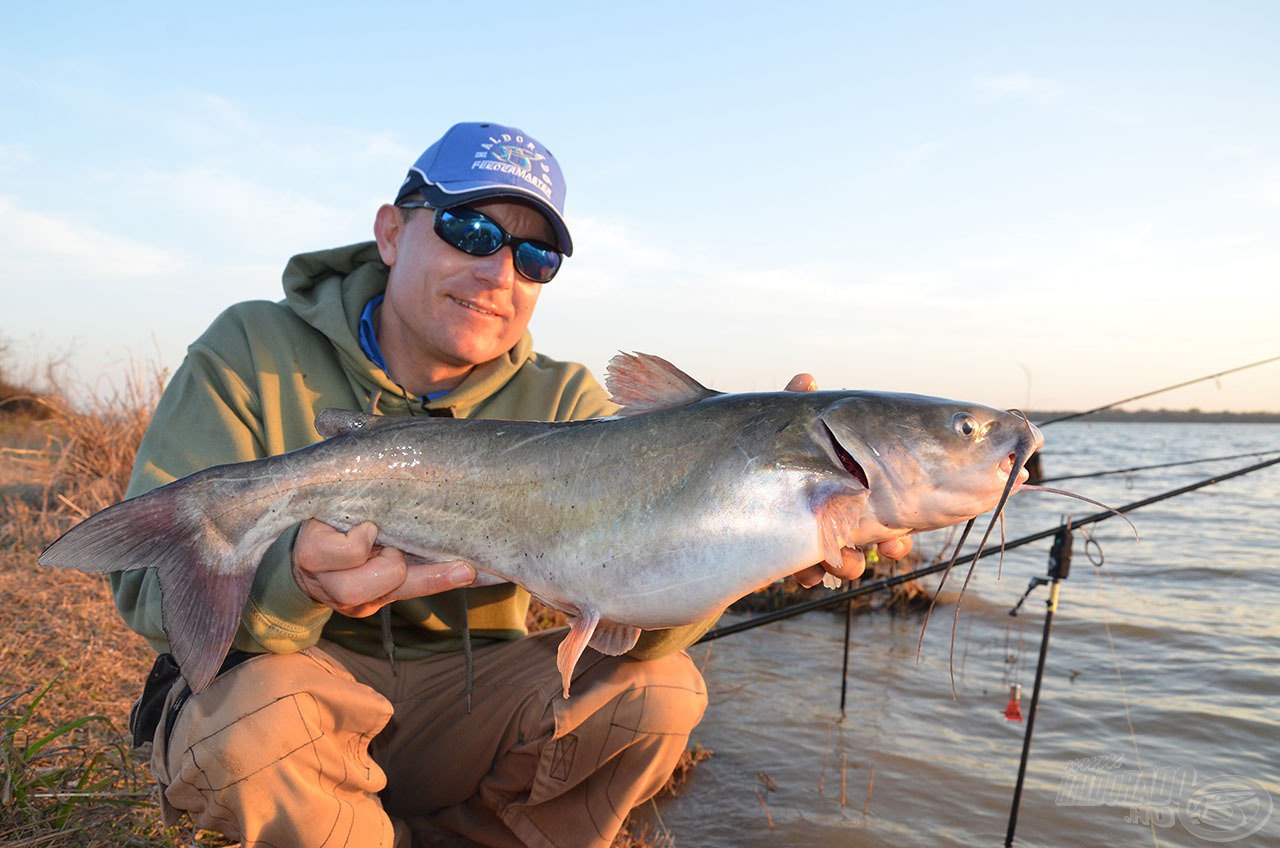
(810, 577)
(895, 548)
(320, 547)
(372, 580)
(416, 581)
(852, 564)
(431, 577)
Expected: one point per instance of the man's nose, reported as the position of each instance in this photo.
(498, 269)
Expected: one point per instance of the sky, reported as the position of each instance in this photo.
(1044, 206)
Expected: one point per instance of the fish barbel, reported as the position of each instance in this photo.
(659, 517)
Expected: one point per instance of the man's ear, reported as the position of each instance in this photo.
(387, 227)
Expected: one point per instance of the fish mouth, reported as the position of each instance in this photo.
(1030, 441)
(1011, 462)
(846, 459)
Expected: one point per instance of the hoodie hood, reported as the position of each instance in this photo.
(328, 289)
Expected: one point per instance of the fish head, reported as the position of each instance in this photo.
(926, 462)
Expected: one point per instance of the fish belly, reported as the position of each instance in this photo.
(673, 570)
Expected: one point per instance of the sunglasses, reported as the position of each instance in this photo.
(477, 234)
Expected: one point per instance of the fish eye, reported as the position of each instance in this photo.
(965, 425)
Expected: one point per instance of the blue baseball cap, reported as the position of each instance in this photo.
(473, 161)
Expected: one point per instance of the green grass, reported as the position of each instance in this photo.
(75, 783)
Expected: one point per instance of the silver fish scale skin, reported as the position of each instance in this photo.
(654, 520)
(561, 525)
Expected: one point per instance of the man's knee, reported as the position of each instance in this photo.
(672, 691)
(663, 697)
(276, 727)
(616, 741)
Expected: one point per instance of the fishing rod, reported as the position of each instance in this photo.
(1156, 392)
(1152, 467)
(888, 582)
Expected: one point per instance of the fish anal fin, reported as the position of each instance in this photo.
(642, 383)
(837, 514)
(582, 628)
(614, 639)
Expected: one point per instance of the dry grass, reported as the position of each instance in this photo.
(73, 459)
(69, 668)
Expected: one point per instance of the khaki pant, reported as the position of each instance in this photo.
(328, 747)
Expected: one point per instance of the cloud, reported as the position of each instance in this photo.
(1018, 85)
(36, 246)
(611, 255)
(15, 154)
(1262, 186)
(255, 217)
(1231, 241)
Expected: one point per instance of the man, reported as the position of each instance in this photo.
(330, 725)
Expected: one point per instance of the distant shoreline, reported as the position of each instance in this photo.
(1170, 416)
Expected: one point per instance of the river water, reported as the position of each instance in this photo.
(1159, 718)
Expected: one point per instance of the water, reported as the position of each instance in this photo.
(1163, 662)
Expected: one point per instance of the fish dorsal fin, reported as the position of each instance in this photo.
(343, 422)
(642, 383)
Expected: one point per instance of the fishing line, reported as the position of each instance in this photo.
(1093, 551)
(1156, 392)
(1124, 693)
(1115, 660)
(1013, 656)
(1152, 467)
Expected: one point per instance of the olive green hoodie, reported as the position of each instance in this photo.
(251, 386)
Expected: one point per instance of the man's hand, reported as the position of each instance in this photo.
(853, 561)
(356, 577)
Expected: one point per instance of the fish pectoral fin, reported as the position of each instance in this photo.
(642, 383)
(582, 628)
(613, 638)
(837, 514)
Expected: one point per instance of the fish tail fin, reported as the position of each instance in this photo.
(204, 581)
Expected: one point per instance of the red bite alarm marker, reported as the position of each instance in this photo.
(1013, 712)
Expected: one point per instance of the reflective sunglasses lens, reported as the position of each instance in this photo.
(470, 232)
(538, 264)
